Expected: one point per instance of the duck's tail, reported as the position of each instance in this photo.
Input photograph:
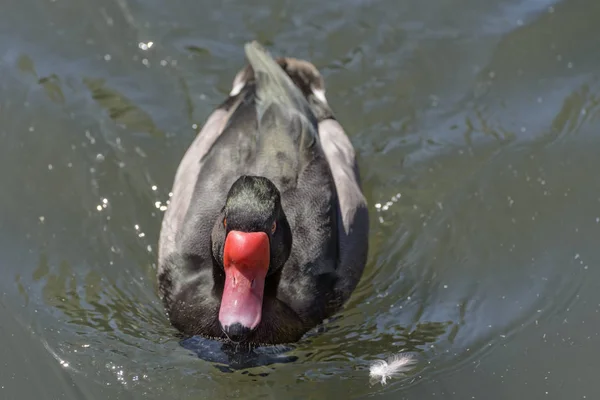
(278, 100)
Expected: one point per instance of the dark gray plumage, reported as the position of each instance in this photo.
(276, 125)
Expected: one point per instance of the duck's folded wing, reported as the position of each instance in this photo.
(353, 221)
(185, 181)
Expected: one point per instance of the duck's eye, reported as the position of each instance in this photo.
(225, 222)
(273, 227)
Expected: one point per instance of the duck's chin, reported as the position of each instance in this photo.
(246, 262)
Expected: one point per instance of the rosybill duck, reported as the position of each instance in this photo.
(266, 234)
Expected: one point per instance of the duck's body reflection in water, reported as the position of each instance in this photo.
(228, 356)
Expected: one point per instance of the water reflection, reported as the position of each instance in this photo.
(122, 110)
(365, 345)
(233, 356)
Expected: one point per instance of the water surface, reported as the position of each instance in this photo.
(476, 124)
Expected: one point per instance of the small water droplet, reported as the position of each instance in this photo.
(145, 46)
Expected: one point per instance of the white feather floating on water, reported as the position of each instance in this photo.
(382, 370)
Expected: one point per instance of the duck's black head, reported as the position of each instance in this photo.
(251, 240)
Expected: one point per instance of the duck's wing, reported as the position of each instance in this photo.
(353, 218)
(188, 172)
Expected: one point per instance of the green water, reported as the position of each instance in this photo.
(476, 123)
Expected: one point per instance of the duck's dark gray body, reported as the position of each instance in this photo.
(282, 129)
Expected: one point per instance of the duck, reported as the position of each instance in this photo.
(266, 233)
